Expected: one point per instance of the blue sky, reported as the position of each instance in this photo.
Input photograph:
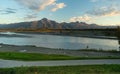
(102, 12)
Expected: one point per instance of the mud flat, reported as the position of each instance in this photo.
(42, 50)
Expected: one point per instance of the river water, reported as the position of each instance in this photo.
(54, 41)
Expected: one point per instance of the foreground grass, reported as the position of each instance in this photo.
(82, 69)
(38, 57)
(101, 50)
(33, 56)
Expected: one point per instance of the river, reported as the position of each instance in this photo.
(54, 41)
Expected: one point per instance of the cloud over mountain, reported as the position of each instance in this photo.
(101, 0)
(30, 16)
(8, 11)
(105, 11)
(38, 5)
(84, 18)
(58, 6)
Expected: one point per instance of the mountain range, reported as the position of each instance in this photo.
(50, 24)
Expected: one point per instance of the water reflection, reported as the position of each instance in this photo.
(64, 42)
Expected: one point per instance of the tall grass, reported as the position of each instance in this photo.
(82, 69)
(38, 57)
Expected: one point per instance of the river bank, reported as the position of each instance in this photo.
(88, 35)
(42, 50)
(57, 42)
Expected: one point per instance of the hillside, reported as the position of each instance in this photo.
(50, 24)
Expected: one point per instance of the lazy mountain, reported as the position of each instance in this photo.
(45, 23)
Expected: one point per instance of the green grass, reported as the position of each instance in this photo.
(82, 69)
(36, 56)
(101, 50)
(33, 56)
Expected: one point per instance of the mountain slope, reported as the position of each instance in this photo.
(45, 23)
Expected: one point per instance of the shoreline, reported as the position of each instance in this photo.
(72, 35)
(42, 50)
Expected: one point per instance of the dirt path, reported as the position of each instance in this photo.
(9, 63)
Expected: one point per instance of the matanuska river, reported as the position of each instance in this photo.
(60, 42)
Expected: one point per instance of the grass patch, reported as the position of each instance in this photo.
(100, 50)
(33, 56)
(38, 57)
(82, 69)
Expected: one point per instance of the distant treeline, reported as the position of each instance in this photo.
(106, 29)
(98, 31)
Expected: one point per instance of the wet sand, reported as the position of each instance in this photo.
(34, 49)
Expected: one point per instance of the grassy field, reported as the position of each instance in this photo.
(33, 56)
(36, 56)
(82, 69)
(101, 50)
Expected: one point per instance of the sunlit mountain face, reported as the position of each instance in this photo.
(51, 24)
(101, 12)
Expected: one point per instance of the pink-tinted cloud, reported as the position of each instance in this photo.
(58, 6)
(83, 18)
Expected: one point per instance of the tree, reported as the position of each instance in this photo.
(118, 36)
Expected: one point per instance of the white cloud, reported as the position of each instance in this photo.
(105, 11)
(58, 6)
(38, 5)
(84, 18)
(100, 0)
(30, 17)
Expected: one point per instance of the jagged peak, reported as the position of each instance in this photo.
(45, 19)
